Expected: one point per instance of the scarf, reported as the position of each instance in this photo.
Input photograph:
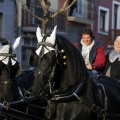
(86, 50)
(113, 56)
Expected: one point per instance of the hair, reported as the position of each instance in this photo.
(87, 31)
(118, 37)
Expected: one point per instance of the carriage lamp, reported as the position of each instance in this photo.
(64, 57)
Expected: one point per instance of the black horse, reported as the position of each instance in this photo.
(9, 69)
(61, 76)
(36, 107)
(16, 101)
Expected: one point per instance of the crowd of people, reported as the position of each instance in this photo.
(96, 61)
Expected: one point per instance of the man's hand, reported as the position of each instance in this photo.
(89, 66)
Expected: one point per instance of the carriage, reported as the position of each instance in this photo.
(60, 82)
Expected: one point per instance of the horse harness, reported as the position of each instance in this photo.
(82, 100)
(8, 80)
(74, 93)
(37, 71)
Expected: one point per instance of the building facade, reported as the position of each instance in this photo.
(68, 25)
(106, 25)
(101, 16)
(7, 19)
(82, 16)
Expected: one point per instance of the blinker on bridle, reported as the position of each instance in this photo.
(10, 54)
(45, 44)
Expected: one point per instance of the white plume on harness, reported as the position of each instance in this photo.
(5, 49)
(50, 40)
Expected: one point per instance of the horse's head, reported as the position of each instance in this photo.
(44, 60)
(9, 68)
(58, 65)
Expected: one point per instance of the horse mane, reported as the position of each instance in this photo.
(76, 68)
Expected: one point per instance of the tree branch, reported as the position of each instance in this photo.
(64, 8)
(44, 7)
(65, 3)
(45, 4)
(25, 7)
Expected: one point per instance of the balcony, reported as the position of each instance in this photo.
(113, 33)
(82, 13)
(29, 23)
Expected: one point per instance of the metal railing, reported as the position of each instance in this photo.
(29, 21)
(84, 9)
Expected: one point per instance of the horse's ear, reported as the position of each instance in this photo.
(52, 37)
(16, 43)
(38, 34)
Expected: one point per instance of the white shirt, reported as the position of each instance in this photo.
(86, 50)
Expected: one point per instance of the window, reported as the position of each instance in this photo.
(85, 9)
(103, 20)
(35, 8)
(80, 7)
(115, 15)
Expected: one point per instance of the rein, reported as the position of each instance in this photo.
(70, 95)
(82, 100)
(7, 55)
(96, 109)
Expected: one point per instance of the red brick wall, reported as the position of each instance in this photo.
(107, 4)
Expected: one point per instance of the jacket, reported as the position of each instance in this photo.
(115, 67)
(97, 56)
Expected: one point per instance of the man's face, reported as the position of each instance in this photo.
(86, 39)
